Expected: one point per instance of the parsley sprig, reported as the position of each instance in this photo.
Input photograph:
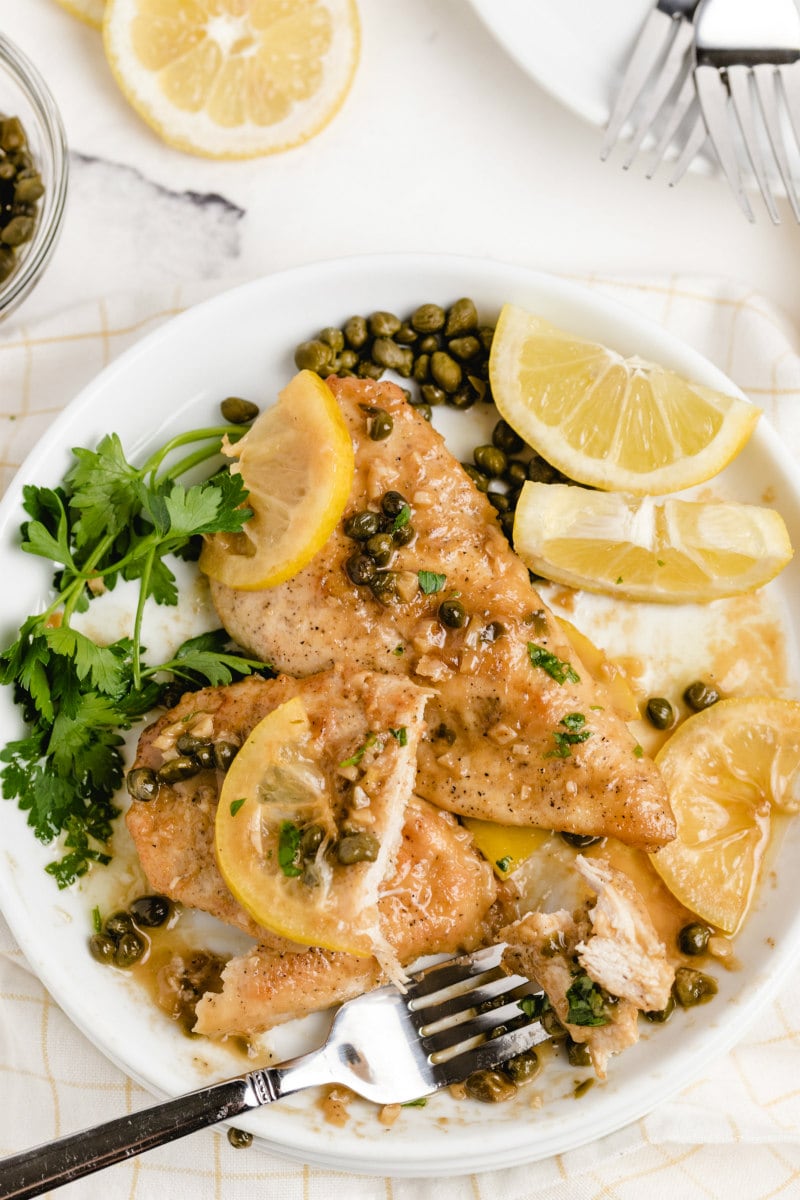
(109, 520)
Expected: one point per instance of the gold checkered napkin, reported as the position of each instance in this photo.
(734, 1133)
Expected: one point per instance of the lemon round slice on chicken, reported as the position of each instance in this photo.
(297, 464)
(274, 833)
(621, 424)
(725, 769)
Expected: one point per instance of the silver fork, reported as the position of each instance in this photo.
(748, 84)
(387, 1047)
(661, 63)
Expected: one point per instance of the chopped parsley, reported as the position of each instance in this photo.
(637, 751)
(288, 847)
(402, 518)
(236, 805)
(108, 521)
(431, 581)
(576, 733)
(400, 735)
(587, 1004)
(534, 1006)
(504, 863)
(420, 1103)
(556, 668)
(97, 920)
(355, 758)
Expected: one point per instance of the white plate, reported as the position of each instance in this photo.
(241, 343)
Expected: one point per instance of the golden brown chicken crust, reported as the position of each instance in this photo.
(497, 746)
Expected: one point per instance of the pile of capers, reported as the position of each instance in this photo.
(21, 188)
(195, 754)
(120, 942)
(378, 535)
(444, 351)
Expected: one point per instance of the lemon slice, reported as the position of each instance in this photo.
(297, 463)
(506, 847)
(275, 789)
(233, 78)
(90, 11)
(647, 549)
(724, 769)
(615, 423)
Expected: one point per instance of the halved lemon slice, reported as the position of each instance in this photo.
(725, 769)
(297, 463)
(505, 847)
(275, 791)
(616, 423)
(90, 11)
(648, 549)
(233, 78)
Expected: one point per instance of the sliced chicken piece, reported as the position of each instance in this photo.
(346, 711)
(611, 944)
(439, 901)
(511, 738)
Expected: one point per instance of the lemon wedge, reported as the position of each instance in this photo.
(90, 11)
(505, 847)
(274, 792)
(616, 423)
(725, 769)
(233, 78)
(297, 463)
(643, 548)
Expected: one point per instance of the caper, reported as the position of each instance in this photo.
(578, 1054)
(422, 368)
(333, 337)
(515, 473)
(130, 949)
(552, 1025)
(12, 134)
(453, 614)
(189, 743)
(693, 938)
(693, 987)
(28, 187)
(380, 425)
(424, 411)
(367, 369)
(383, 586)
(506, 438)
(462, 317)
(463, 397)
(240, 1139)
(480, 480)
(356, 332)
(224, 754)
(7, 262)
(357, 847)
(118, 924)
(406, 335)
(581, 840)
(150, 911)
(205, 756)
(700, 695)
(403, 535)
(360, 568)
(432, 394)
(347, 360)
(445, 371)
(660, 712)
(540, 471)
(659, 1015)
(464, 348)
(490, 460)
(237, 411)
(490, 1087)
(313, 356)
(500, 501)
(383, 324)
(362, 525)
(507, 524)
(387, 353)
(102, 948)
(430, 344)
(492, 632)
(380, 548)
(428, 318)
(177, 769)
(142, 783)
(523, 1067)
(393, 503)
(7, 169)
(311, 840)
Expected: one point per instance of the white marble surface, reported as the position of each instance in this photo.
(444, 144)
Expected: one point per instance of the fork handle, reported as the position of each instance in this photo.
(55, 1163)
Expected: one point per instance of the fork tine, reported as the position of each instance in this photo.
(765, 76)
(789, 75)
(490, 1054)
(680, 109)
(676, 65)
(461, 970)
(713, 96)
(468, 1004)
(692, 147)
(475, 1026)
(742, 100)
(657, 31)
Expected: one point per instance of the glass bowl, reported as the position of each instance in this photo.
(24, 94)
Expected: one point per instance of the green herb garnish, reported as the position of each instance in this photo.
(108, 521)
(587, 1004)
(504, 863)
(236, 805)
(556, 668)
(97, 920)
(534, 1006)
(400, 735)
(423, 1100)
(354, 759)
(431, 581)
(402, 518)
(574, 724)
(288, 847)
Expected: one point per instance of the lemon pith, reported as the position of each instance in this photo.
(297, 464)
(233, 78)
(726, 769)
(612, 422)
(643, 548)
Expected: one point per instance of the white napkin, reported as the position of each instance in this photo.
(734, 1132)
